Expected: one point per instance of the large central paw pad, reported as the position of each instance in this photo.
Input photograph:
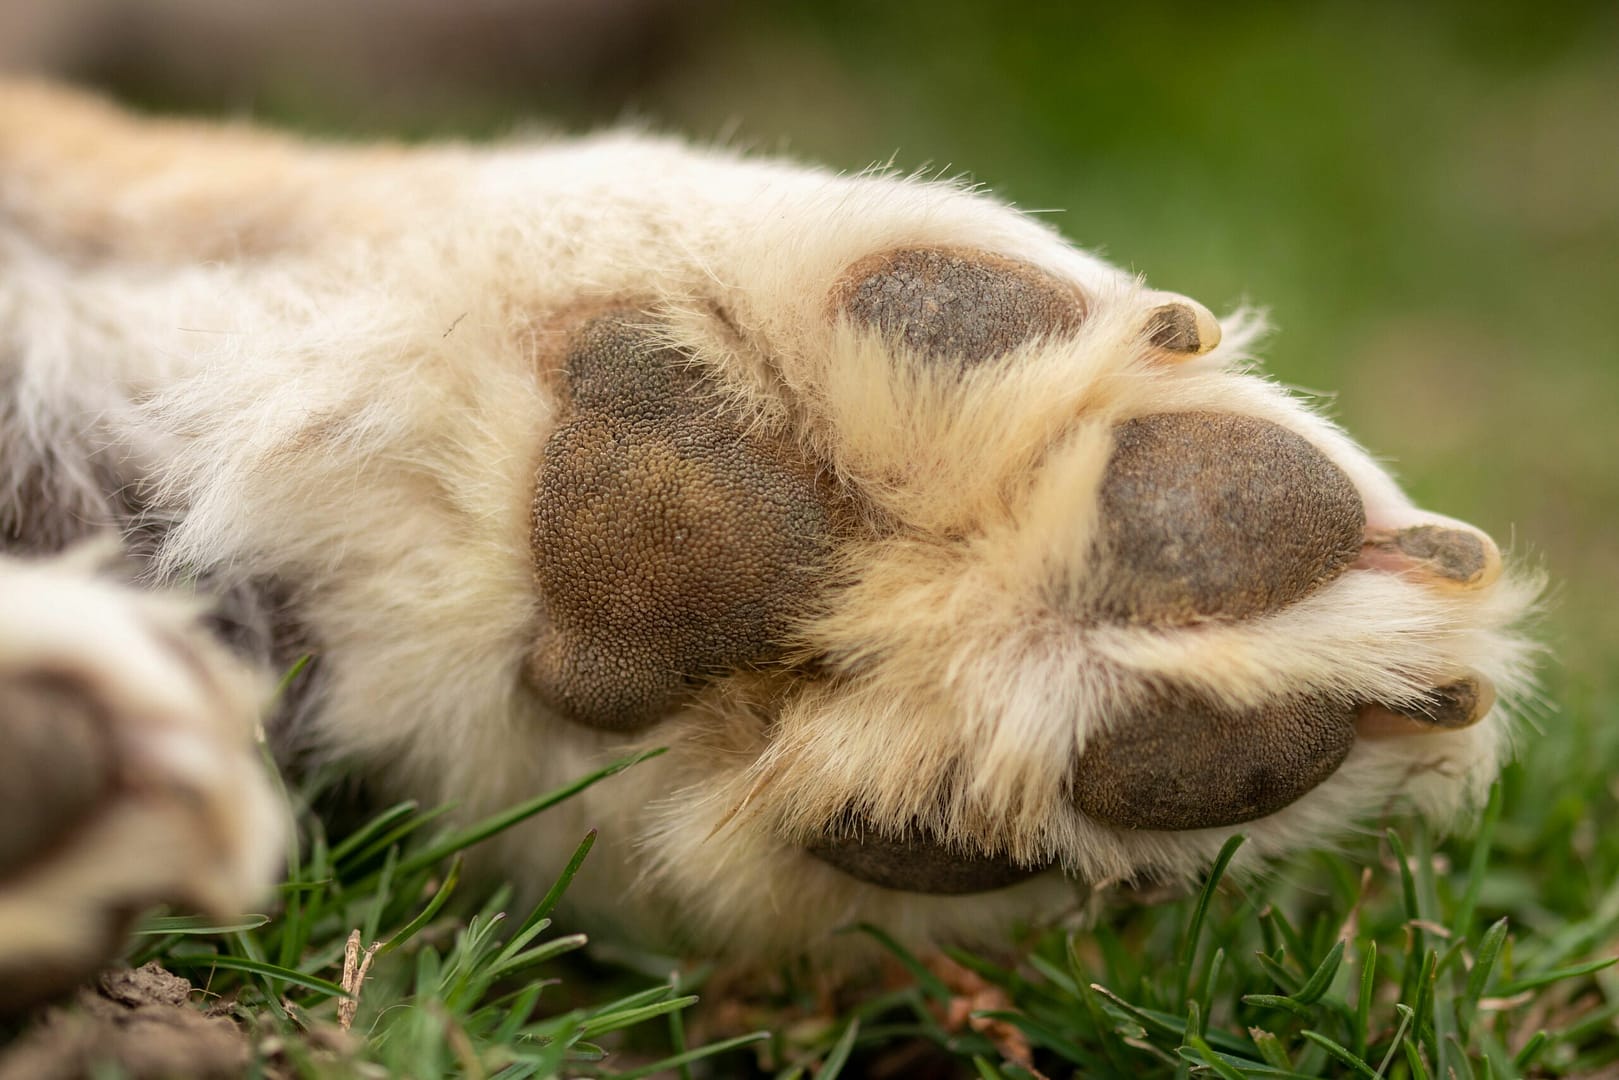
(670, 542)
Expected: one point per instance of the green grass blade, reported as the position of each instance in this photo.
(1488, 950)
(1284, 978)
(1194, 926)
(1524, 1059)
(839, 1054)
(1405, 1014)
(1535, 982)
(517, 1013)
(297, 669)
(1478, 862)
(1340, 1053)
(1271, 1049)
(553, 895)
(679, 1060)
(407, 826)
(371, 830)
(1363, 1001)
(1213, 1060)
(1413, 1060)
(986, 1070)
(1277, 1001)
(614, 1021)
(257, 967)
(498, 823)
(195, 925)
(1321, 980)
(434, 906)
(537, 955)
(929, 982)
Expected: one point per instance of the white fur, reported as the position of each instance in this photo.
(352, 400)
(192, 818)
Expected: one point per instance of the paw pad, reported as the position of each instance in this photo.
(957, 305)
(56, 767)
(1182, 763)
(1439, 553)
(1183, 327)
(1457, 704)
(1213, 515)
(669, 543)
(918, 862)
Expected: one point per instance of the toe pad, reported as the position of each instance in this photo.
(957, 305)
(1180, 763)
(919, 863)
(1215, 515)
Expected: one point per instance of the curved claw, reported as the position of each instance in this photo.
(1183, 327)
(1450, 707)
(1437, 550)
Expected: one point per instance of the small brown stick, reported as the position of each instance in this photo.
(355, 968)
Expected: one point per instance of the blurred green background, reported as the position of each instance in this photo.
(1425, 196)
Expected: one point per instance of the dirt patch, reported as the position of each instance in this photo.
(141, 1021)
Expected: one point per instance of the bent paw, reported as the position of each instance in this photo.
(128, 772)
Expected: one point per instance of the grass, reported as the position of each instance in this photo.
(370, 967)
(1399, 956)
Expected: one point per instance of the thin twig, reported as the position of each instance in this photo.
(355, 968)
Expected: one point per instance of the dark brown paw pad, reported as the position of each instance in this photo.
(57, 764)
(58, 771)
(669, 542)
(1207, 515)
(956, 305)
(1182, 763)
(918, 862)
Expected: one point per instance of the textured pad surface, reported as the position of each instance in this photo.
(1183, 764)
(1215, 515)
(668, 543)
(919, 863)
(965, 306)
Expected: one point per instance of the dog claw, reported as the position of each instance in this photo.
(1450, 707)
(1183, 327)
(1440, 551)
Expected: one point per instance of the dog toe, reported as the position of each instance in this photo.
(1213, 515)
(1180, 763)
(918, 862)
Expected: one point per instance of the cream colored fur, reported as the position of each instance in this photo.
(332, 362)
(193, 819)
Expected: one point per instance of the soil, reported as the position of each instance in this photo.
(141, 1021)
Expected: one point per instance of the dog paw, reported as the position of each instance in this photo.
(129, 776)
(956, 573)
